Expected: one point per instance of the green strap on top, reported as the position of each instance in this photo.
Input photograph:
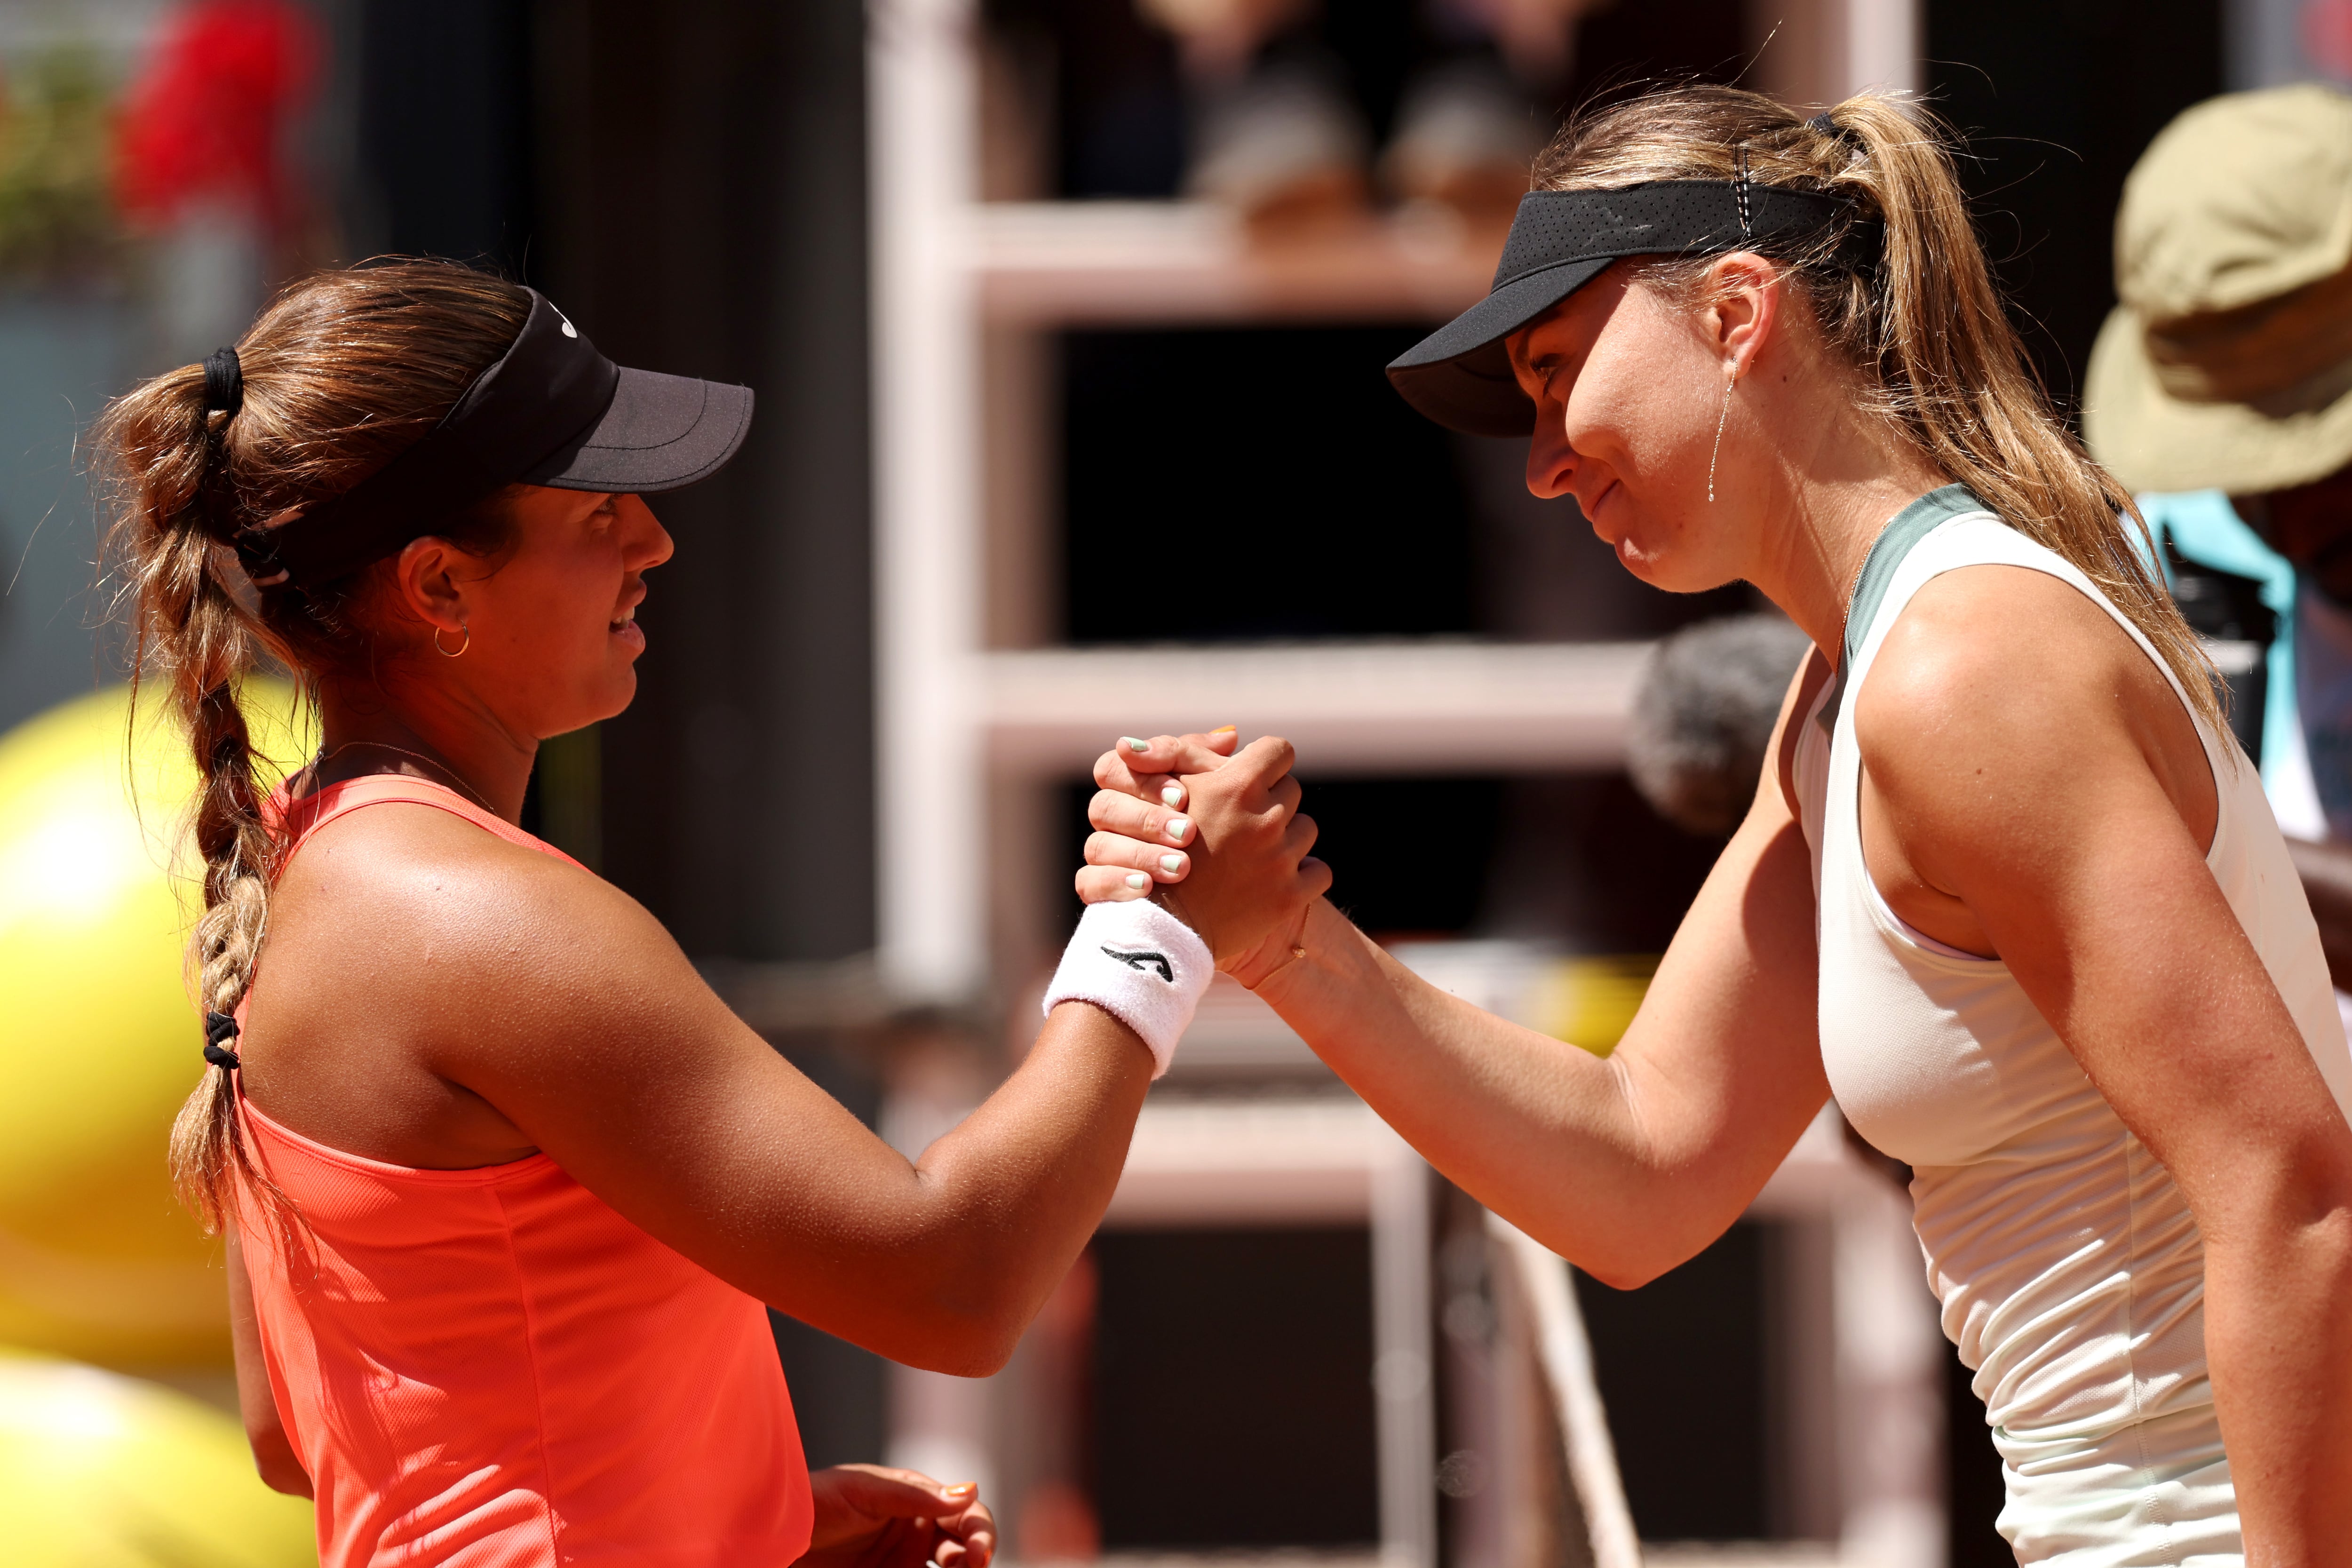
(1894, 542)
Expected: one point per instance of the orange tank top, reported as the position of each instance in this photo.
(492, 1368)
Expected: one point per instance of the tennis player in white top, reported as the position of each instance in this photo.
(2008, 889)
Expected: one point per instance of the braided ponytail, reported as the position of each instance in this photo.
(342, 370)
(235, 844)
(197, 639)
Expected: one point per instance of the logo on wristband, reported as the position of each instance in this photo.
(1140, 959)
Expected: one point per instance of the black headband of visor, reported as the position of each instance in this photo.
(550, 410)
(1460, 375)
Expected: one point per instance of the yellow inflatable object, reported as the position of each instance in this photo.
(97, 1259)
(102, 1471)
(1591, 1002)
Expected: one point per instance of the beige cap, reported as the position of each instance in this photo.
(2228, 363)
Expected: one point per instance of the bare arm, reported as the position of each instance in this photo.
(273, 1453)
(2033, 768)
(435, 996)
(1627, 1166)
(639, 1081)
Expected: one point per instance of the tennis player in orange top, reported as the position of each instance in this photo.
(504, 1185)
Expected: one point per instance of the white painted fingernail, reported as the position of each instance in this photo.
(1137, 880)
(1172, 864)
(1172, 795)
(1132, 744)
(1178, 826)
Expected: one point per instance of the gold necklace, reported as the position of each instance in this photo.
(456, 778)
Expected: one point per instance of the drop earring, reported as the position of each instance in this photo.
(1730, 381)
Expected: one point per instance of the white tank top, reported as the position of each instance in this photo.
(2070, 1274)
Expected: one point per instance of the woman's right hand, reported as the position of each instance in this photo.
(1244, 879)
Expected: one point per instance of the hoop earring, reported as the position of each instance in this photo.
(1719, 421)
(461, 648)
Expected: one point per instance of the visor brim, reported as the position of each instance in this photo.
(661, 433)
(1460, 375)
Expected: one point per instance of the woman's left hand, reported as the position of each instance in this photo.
(870, 1516)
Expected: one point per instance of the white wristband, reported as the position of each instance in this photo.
(1142, 965)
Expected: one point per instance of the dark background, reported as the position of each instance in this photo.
(1232, 1404)
(1681, 1363)
(2057, 100)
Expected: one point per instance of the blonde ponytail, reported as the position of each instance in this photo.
(1925, 326)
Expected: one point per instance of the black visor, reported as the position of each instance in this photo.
(549, 411)
(1460, 375)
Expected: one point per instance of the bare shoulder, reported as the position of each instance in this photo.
(427, 873)
(1990, 617)
(452, 936)
(2001, 689)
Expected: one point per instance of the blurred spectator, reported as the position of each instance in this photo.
(1704, 714)
(201, 160)
(1278, 133)
(2222, 389)
(206, 118)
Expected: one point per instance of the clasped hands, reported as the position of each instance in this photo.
(1215, 833)
(1213, 830)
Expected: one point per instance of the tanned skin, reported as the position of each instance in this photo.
(2031, 789)
(433, 996)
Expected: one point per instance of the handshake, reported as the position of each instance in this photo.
(1210, 830)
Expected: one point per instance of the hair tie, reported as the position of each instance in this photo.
(223, 383)
(258, 555)
(220, 1027)
(256, 544)
(1845, 133)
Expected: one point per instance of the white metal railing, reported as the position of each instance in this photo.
(1563, 1354)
